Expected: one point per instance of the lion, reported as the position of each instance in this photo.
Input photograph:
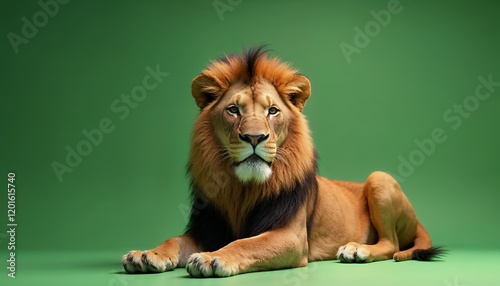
(258, 202)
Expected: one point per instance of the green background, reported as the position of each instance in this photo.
(131, 191)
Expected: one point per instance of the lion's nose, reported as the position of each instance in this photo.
(254, 139)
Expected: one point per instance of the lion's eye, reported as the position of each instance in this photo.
(233, 109)
(273, 110)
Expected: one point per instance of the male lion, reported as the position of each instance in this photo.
(258, 203)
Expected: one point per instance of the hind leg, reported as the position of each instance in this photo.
(392, 216)
(422, 241)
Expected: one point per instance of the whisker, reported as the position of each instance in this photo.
(224, 154)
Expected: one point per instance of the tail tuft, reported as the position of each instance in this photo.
(428, 254)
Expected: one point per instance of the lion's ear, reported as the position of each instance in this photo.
(301, 87)
(204, 90)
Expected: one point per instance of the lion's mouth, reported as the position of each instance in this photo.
(254, 158)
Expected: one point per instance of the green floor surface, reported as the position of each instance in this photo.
(460, 267)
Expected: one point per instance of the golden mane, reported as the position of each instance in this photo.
(213, 176)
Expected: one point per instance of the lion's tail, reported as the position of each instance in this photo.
(428, 254)
(422, 249)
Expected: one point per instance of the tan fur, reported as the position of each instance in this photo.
(355, 222)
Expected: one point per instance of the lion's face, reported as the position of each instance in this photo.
(251, 124)
(248, 104)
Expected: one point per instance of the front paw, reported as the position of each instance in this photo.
(206, 264)
(354, 252)
(137, 261)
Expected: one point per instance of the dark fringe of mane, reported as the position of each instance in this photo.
(252, 56)
(208, 226)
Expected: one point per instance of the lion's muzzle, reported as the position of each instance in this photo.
(255, 163)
